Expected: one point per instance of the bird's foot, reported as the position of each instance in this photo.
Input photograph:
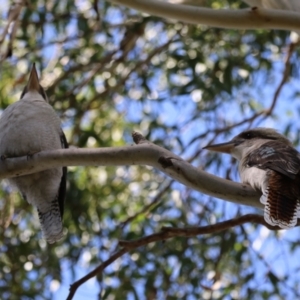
(3, 157)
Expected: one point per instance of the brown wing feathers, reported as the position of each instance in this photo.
(282, 200)
(276, 156)
(282, 196)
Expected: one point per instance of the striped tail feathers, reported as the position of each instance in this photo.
(51, 220)
(281, 200)
(51, 223)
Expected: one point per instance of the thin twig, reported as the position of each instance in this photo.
(147, 207)
(95, 272)
(170, 232)
(285, 76)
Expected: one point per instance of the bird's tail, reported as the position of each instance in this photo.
(51, 223)
(281, 204)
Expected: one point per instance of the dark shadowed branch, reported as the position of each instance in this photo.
(165, 234)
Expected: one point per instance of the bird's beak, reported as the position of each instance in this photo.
(33, 82)
(223, 147)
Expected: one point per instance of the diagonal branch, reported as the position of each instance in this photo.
(147, 208)
(285, 75)
(144, 153)
(170, 232)
(167, 233)
(252, 18)
(95, 272)
(13, 23)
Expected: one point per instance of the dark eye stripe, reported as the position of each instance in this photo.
(255, 134)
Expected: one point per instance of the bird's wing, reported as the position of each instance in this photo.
(281, 202)
(276, 156)
(62, 188)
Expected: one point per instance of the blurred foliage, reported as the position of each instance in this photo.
(109, 70)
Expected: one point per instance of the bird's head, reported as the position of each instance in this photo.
(247, 141)
(33, 86)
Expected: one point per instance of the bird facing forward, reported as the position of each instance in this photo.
(27, 127)
(270, 164)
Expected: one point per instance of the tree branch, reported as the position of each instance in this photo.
(13, 24)
(167, 233)
(170, 232)
(285, 75)
(252, 18)
(95, 272)
(144, 153)
(148, 207)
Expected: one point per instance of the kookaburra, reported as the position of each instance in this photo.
(27, 127)
(269, 163)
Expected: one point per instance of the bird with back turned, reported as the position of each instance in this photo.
(28, 126)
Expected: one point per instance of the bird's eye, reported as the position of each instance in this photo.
(247, 135)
